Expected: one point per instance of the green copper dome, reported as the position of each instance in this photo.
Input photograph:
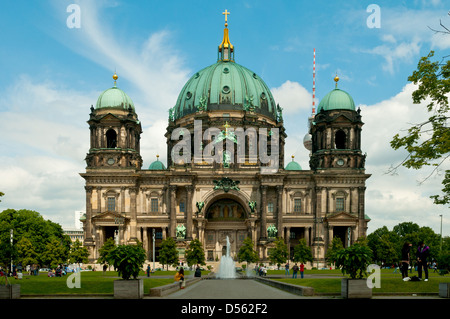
(115, 98)
(293, 166)
(156, 165)
(336, 100)
(225, 86)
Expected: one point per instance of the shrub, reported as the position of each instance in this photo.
(354, 260)
(128, 260)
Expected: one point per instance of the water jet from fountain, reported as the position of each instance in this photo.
(226, 268)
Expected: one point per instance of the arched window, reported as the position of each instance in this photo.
(111, 139)
(340, 139)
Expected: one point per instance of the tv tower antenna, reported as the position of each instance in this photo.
(307, 141)
(314, 85)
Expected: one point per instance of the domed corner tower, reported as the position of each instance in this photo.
(220, 102)
(115, 131)
(336, 133)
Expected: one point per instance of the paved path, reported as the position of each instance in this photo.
(231, 289)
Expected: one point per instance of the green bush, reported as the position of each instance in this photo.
(128, 260)
(354, 260)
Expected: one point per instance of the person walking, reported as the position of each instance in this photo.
(405, 260)
(302, 269)
(179, 276)
(286, 267)
(423, 252)
(294, 271)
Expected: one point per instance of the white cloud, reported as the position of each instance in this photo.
(292, 97)
(391, 199)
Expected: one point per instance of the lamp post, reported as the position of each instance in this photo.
(154, 235)
(441, 234)
(11, 240)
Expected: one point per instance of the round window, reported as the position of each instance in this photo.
(188, 95)
(226, 89)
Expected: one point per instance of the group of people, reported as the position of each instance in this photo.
(261, 270)
(295, 270)
(422, 253)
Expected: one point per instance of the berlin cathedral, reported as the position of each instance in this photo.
(225, 174)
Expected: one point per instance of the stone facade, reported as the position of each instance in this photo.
(212, 200)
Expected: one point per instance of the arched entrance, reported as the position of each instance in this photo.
(226, 216)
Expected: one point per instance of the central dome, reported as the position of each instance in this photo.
(225, 86)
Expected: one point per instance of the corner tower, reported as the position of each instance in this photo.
(115, 131)
(336, 133)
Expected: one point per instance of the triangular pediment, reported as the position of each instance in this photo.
(341, 216)
(110, 117)
(109, 216)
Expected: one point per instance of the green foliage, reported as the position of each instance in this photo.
(168, 254)
(428, 142)
(279, 254)
(302, 252)
(247, 252)
(78, 253)
(39, 232)
(195, 254)
(444, 261)
(336, 245)
(354, 260)
(55, 253)
(105, 251)
(128, 260)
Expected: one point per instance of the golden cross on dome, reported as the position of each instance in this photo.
(226, 13)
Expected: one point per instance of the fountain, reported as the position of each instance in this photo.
(226, 267)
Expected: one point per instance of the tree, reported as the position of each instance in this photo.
(302, 252)
(78, 253)
(2, 194)
(168, 255)
(279, 254)
(31, 225)
(55, 253)
(195, 254)
(105, 251)
(25, 252)
(428, 143)
(247, 253)
(336, 245)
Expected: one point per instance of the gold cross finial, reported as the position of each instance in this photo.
(226, 13)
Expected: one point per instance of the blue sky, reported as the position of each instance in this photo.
(51, 74)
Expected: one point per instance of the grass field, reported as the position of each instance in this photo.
(91, 282)
(391, 283)
(324, 282)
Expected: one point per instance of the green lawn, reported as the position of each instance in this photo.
(91, 282)
(390, 283)
(94, 282)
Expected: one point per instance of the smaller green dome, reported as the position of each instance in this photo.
(293, 166)
(336, 100)
(115, 98)
(156, 165)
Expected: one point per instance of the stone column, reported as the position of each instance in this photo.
(307, 236)
(330, 234)
(263, 234)
(189, 190)
(173, 213)
(145, 238)
(88, 240)
(133, 215)
(280, 210)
